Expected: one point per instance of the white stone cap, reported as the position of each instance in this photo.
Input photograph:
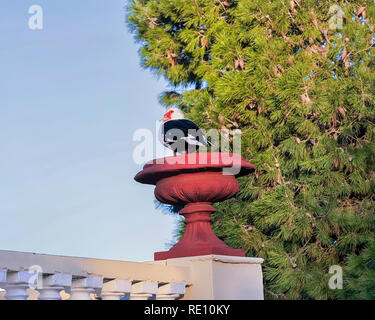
(215, 258)
(172, 288)
(89, 282)
(3, 276)
(89, 267)
(144, 287)
(117, 285)
(13, 277)
(57, 280)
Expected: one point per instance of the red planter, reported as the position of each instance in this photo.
(196, 181)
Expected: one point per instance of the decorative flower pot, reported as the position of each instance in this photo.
(196, 181)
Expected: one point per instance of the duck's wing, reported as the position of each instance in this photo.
(184, 129)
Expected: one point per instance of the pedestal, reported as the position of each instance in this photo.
(218, 277)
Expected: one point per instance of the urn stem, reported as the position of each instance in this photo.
(199, 238)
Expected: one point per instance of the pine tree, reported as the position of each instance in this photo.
(302, 90)
(360, 275)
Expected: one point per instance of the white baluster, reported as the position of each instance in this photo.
(144, 290)
(16, 284)
(83, 288)
(53, 284)
(115, 289)
(171, 291)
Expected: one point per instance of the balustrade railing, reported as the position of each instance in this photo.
(48, 277)
(30, 276)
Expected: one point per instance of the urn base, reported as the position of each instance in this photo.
(198, 239)
(192, 252)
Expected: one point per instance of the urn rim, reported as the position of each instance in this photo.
(161, 168)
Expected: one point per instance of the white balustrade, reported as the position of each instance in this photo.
(16, 283)
(46, 277)
(144, 290)
(171, 291)
(115, 289)
(52, 285)
(83, 288)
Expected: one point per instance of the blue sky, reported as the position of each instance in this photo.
(71, 96)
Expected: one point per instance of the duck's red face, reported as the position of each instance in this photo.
(168, 115)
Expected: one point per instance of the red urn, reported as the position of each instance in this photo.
(196, 180)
